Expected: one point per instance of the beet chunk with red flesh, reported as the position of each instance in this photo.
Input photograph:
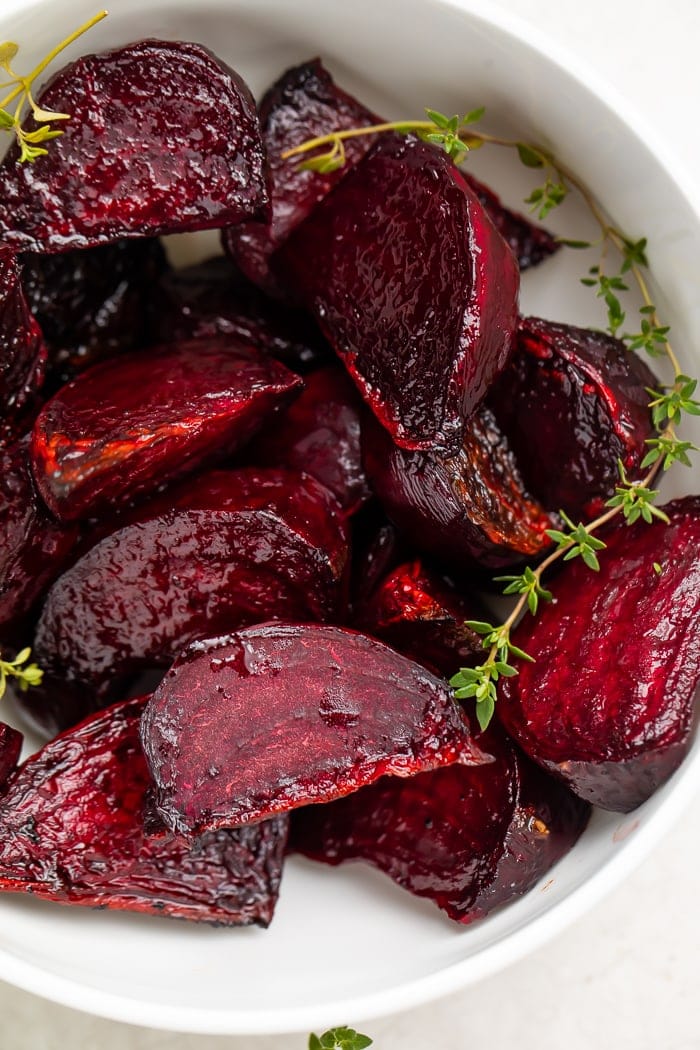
(213, 298)
(235, 548)
(126, 426)
(468, 838)
(72, 820)
(529, 243)
(22, 348)
(10, 748)
(320, 434)
(573, 403)
(92, 303)
(34, 547)
(608, 703)
(467, 510)
(281, 715)
(162, 138)
(413, 286)
(304, 103)
(423, 615)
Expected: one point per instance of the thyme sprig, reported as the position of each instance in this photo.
(339, 1039)
(24, 673)
(20, 94)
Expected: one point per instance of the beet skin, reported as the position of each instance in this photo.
(22, 348)
(10, 748)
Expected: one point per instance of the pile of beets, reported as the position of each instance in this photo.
(247, 507)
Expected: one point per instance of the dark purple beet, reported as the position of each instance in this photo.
(281, 715)
(22, 348)
(72, 821)
(413, 286)
(376, 548)
(468, 838)
(127, 425)
(320, 434)
(92, 303)
(467, 510)
(163, 138)
(236, 548)
(10, 748)
(608, 703)
(529, 243)
(573, 402)
(304, 103)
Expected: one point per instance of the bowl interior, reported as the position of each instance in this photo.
(346, 943)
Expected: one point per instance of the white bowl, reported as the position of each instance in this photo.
(346, 944)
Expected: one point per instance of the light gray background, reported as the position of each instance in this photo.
(626, 976)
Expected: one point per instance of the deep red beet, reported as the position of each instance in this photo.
(280, 715)
(573, 403)
(608, 704)
(163, 137)
(467, 838)
(126, 426)
(234, 548)
(72, 830)
(529, 243)
(22, 348)
(10, 748)
(414, 287)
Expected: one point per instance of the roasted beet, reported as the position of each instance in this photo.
(162, 137)
(529, 243)
(608, 703)
(467, 838)
(414, 287)
(213, 298)
(303, 103)
(422, 615)
(10, 748)
(22, 348)
(573, 403)
(236, 548)
(280, 715)
(34, 547)
(91, 303)
(376, 547)
(320, 434)
(72, 830)
(128, 425)
(466, 510)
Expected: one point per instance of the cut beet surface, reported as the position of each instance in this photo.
(72, 820)
(281, 715)
(231, 548)
(126, 426)
(22, 348)
(162, 138)
(573, 403)
(304, 103)
(467, 510)
(467, 838)
(10, 748)
(320, 434)
(414, 287)
(608, 704)
(529, 243)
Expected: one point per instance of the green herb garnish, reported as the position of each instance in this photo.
(25, 674)
(339, 1039)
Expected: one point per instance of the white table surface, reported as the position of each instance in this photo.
(625, 976)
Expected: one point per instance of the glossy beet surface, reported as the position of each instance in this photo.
(164, 136)
(281, 715)
(413, 286)
(34, 547)
(10, 747)
(573, 402)
(304, 103)
(468, 838)
(22, 348)
(529, 243)
(130, 424)
(212, 298)
(608, 703)
(91, 303)
(72, 823)
(231, 548)
(467, 510)
(422, 615)
(320, 434)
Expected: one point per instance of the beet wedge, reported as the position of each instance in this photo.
(233, 548)
(573, 403)
(608, 704)
(165, 136)
(530, 244)
(10, 748)
(22, 349)
(126, 426)
(72, 831)
(468, 838)
(413, 286)
(281, 715)
(305, 102)
(469, 510)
